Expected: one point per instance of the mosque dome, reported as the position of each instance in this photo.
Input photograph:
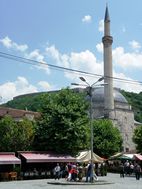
(98, 95)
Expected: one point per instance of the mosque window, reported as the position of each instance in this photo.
(126, 137)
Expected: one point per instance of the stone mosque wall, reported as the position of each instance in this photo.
(124, 120)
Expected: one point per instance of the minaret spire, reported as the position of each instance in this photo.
(107, 23)
(108, 72)
(107, 19)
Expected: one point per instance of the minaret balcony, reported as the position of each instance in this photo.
(107, 40)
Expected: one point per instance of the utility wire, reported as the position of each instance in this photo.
(34, 62)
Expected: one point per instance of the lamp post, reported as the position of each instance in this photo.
(90, 87)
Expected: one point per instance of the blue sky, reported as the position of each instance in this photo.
(67, 33)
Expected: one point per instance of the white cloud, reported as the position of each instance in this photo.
(127, 86)
(36, 55)
(21, 48)
(60, 59)
(86, 61)
(127, 60)
(135, 45)
(8, 43)
(101, 25)
(44, 85)
(99, 47)
(87, 19)
(54, 53)
(11, 89)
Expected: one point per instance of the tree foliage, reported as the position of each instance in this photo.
(16, 136)
(63, 126)
(137, 138)
(25, 102)
(135, 100)
(107, 138)
(32, 102)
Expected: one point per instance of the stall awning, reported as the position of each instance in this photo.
(85, 156)
(9, 158)
(138, 157)
(38, 157)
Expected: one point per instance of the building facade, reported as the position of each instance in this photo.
(17, 114)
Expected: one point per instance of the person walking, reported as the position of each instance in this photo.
(57, 170)
(137, 171)
(88, 173)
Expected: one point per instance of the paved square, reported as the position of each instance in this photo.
(118, 183)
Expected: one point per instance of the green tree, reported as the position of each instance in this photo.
(137, 138)
(16, 136)
(107, 138)
(63, 126)
(26, 134)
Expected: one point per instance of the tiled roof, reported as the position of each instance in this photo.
(16, 113)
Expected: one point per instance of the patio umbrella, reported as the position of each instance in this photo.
(85, 156)
(116, 156)
(126, 157)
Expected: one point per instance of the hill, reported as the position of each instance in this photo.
(32, 102)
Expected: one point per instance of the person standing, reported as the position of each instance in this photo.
(122, 172)
(88, 173)
(57, 170)
(137, 171)
(74, 173)
(127, 167)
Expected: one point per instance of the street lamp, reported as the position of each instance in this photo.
(91, 118)
(90, 87)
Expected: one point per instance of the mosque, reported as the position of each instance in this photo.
(107, 101)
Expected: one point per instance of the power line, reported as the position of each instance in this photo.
(34, 62)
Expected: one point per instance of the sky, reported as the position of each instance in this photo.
(67, 34)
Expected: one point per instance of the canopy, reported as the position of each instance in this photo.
(41, 157)
(115, 156)
(85, 156)
(126, 157)
(120, 156)
(9, 158)
(138, 157)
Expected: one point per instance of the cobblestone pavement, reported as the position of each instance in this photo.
(117, 183)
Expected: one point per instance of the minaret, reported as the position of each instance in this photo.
(108, 72)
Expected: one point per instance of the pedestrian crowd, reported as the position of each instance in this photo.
(129, 168)
(76, 171)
